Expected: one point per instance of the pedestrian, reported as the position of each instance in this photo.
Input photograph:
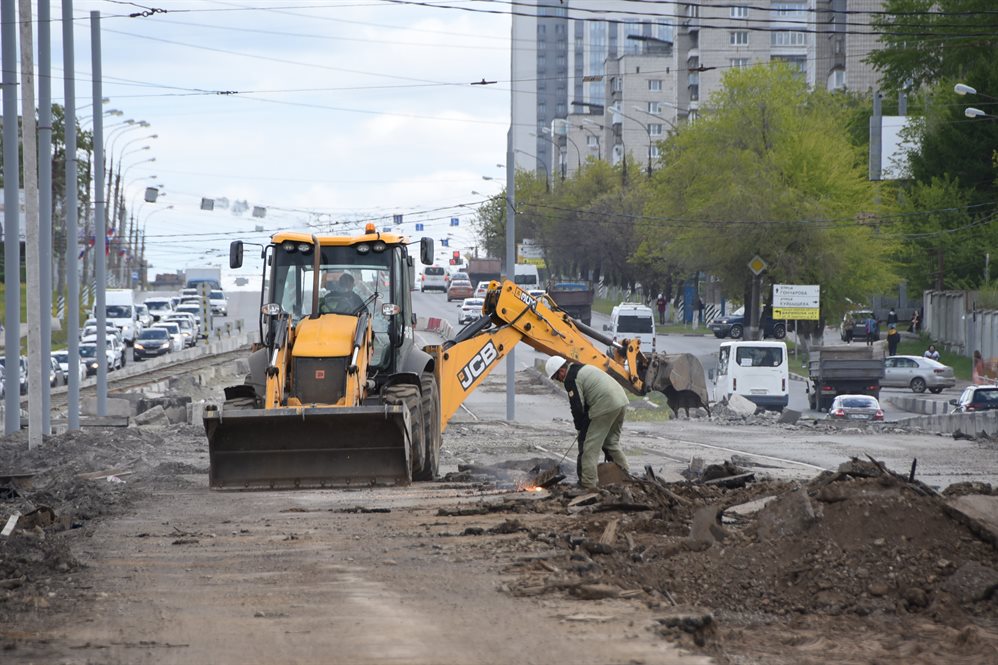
(914, 322)
(893, 339)
(931, 353)
(871, 330)
(700, 308)
(598, 405)
(848, 326)
(977, 374)
(892, 317)
(661, 303)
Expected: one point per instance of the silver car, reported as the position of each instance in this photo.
(856, 407)
(917, 373)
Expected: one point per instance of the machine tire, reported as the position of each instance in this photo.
(779, 331)
(408, 396)
(935, 391)
(430, 405)
(918, 385)
(736, 331)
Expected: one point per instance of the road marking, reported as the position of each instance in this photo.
(782, 460)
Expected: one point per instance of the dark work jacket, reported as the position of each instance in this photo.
(580, 414)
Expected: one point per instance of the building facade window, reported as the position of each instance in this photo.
(788, 38)
(738, 63)
(654, 152)
(617, 84)
(592, 141)
(655, 85)
(655, 129)
(654, 108)
(795, 10)
(739, 12)
(738, 38)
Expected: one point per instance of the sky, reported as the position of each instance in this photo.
(328, 113)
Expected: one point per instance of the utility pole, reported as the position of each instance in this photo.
(72, 212)
(100, 219)
(29, 144)
(12, 221)
(45, 197)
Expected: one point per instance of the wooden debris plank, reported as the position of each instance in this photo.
(610, 532)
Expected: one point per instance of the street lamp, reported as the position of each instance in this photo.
(595, 135)
(644, 126)
(538, 160)
(963, 89)
(124, 174)
(561, 159)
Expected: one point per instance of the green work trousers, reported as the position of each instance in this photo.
(603, 435)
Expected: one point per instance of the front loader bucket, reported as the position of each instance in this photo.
(308, 447)
(680, 376)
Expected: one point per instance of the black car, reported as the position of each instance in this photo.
(151, 343)
(734, 325)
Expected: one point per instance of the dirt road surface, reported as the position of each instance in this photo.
(123, 555)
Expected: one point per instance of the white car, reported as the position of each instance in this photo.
(219, 305)
(178, 340)
(62, 357)
(115, 354)
(143, 315)
(481, 289)
(159, 307)
(471, 310)
(188, 328)
(434, 278)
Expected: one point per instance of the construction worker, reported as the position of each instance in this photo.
(340, 297)
(598, 404)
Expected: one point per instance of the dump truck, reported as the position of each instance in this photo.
(575, 297)
(483, 270)
(338, 394)
(843, 370)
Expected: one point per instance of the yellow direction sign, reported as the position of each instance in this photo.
(757, 265)
(795, 313)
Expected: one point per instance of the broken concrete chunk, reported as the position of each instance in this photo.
(972, 582)
(789, 417)
(116, 406)
(154, 417)
(705, 528)
(741, 406)
(788, 515)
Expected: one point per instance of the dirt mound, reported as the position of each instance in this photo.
(860, 557)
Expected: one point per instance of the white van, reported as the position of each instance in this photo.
(630, 320)
(119, 310)
(526, 276)
(758, 371)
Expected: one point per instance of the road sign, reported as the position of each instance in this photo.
(757, 265)
(799, 302)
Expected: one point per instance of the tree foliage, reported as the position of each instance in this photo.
(769, 170)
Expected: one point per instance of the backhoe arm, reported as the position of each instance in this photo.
(511, 315)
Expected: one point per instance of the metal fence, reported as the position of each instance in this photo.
(953, 321)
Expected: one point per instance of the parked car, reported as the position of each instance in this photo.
(152, 343)
(458, 289)
(56, 376)
(855, 407)
(858, 317)
(471, 310)
(917, 373)
(62, 357)
(976, 398)
(178, 340)
(734, 324)
(219, 305)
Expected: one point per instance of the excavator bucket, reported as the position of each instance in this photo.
(289, 448)
(681, 377)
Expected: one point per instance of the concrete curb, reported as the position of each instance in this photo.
(920, 405)
(968, 423)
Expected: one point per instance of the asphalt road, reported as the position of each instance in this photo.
(705, 347)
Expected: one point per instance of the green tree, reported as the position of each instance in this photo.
(769, 169)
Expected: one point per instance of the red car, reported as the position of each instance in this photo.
(459, 289)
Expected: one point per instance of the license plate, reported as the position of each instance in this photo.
(758, 391)
(857, 416)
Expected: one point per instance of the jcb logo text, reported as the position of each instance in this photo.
(477, 365)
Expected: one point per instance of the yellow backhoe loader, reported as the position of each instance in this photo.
(338, 392)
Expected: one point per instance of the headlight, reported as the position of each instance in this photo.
(139, 346)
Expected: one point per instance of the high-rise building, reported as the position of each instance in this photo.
(609, 79)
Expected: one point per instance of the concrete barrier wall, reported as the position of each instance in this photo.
(968, 423)
(920, 405)
(952, 320)
(435, 325)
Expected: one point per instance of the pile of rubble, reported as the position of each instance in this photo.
(861, 549)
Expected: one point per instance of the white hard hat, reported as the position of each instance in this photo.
(553, 364)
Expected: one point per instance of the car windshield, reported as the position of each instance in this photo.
(154, 333)
(859, 403)
(173, 328)
(118, 311)
(477, 302)
(461, 276)
(216, 295)
(88, 350)
(61, 356)
(628, 323)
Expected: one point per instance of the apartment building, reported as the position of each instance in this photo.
(609, 79)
